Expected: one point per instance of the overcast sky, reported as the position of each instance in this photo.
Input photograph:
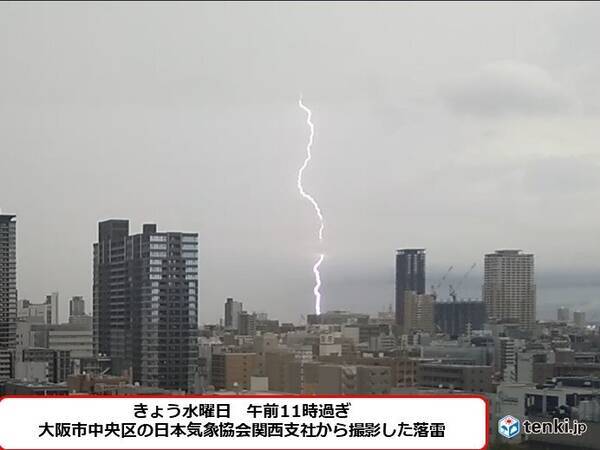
(459, 128)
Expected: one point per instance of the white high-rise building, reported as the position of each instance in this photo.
(509, 290)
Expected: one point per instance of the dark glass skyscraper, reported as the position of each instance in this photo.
(8, 281)
(146, 303)
(410, 276)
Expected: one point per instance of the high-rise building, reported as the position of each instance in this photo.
(145, 299)
(77, 306)
(509, 290)
(8, 281)
(233, 310)
(410, 276)
(563, 314)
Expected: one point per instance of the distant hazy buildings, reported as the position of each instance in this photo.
(42, 313)
(53, 301)
(145, 297)
(563, 314)
(233, 310)
(77, 307)
(509, 290)
(247, 324)
(337, 318)
(77, 315)
(579, 319)
(410, 276)
(8, 281)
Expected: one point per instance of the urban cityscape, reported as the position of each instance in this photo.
(143, 337)
(317, 202)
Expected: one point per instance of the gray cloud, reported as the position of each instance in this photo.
(562, 176)
(185, 114)
(507, 87)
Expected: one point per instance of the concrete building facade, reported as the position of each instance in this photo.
(509, 289)
(8, 281)
(233, 309)
(145, 299)
(418, 312)
(456, 376)
(233, 371)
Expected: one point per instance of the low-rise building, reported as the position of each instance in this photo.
(470, 378)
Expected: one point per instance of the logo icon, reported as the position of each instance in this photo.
(509, 427)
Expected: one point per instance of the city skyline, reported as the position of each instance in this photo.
(213, 205)
(471, 284)
(459, 145)
(432, 280)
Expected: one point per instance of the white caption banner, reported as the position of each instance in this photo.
(245, 422)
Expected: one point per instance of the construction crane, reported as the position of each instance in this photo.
(461, 281)
(452, 292)
(464, 278)
(435, 287)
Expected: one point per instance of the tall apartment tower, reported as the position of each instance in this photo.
(233, 310)
(509, 289)
(145, 300)
(8, 281)
(410, 276)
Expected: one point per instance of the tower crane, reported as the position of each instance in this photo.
(435, 287)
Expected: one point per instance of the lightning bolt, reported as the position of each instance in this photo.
(317, 288)
(313, 202)
(305, 165)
